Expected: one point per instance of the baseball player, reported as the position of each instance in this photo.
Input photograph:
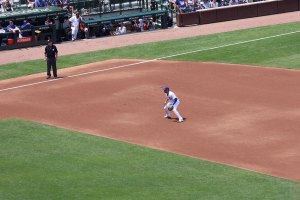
(172, 103)
(75, 21)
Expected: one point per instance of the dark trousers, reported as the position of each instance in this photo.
(51, 62)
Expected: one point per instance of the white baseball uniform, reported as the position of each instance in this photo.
(75, 26)
(173, 99)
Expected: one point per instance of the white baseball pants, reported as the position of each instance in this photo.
(174, 110)
(74, 32)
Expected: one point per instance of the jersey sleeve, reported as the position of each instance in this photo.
(172, 96)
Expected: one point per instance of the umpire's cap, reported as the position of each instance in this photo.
(49, 40)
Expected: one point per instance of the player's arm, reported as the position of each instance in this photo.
(56, 53)
(166, 101)
(45, 53)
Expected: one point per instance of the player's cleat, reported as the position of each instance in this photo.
(180, 121)
(48, 77)
(167, 116)
(55, 77)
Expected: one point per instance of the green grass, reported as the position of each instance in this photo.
(44, 162)
(275, 52)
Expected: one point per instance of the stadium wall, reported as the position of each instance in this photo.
(237, 12)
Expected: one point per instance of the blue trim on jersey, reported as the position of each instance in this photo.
(175, 100)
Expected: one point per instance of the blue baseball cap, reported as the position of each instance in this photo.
(166, 88)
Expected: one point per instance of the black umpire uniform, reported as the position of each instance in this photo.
(51, 55)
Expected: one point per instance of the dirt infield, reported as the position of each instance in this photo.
(66, 48)
(238, 115)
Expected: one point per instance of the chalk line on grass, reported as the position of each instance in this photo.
(147, 61)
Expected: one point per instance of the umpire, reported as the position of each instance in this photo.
(51, 56)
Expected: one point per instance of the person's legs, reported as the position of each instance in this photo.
(53, 63)
(74, 33)
(167, 112)
(180, 119)
(48, 67)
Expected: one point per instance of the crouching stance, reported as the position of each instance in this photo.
(171, 104)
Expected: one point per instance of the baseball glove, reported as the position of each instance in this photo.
(170, 107)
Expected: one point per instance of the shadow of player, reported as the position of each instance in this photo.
(175, 119)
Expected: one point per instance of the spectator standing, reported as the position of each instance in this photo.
(75, 21)
(27, 27)
(51, 55)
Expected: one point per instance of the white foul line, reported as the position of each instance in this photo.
(147, 61)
